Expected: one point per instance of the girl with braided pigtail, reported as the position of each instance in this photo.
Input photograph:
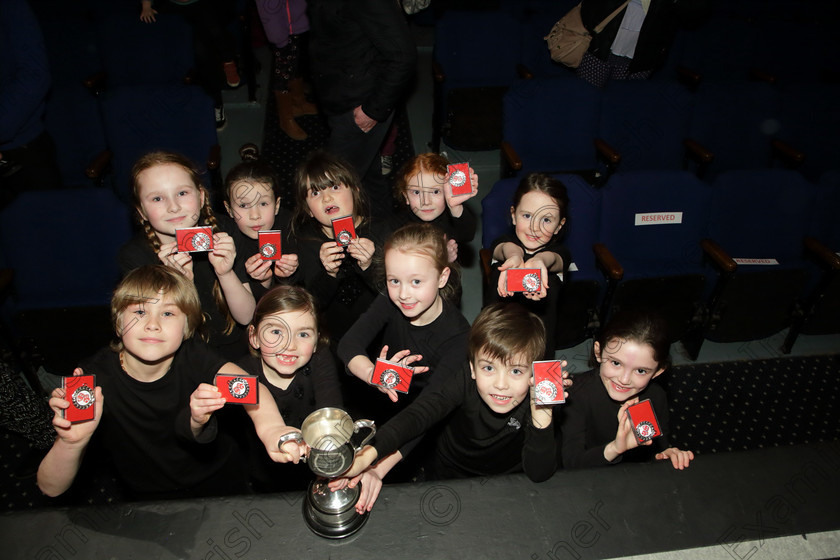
(168, 194)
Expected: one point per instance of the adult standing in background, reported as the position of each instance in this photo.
(363, 60)
(636, 42)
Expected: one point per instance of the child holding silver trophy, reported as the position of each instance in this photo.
(496, 423)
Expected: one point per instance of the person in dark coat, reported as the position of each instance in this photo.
(363, 60)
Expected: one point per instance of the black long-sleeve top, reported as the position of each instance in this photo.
(590, 422)
(247, 247)
(341, 299)
(475, 441)
(460, 229)
(315, 386)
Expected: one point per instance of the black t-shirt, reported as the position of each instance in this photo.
(590, 422)
(315, 386)
(145, 427)
(475, 440)
(138, 252)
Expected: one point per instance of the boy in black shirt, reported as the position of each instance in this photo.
(494, 424)
(160, 447)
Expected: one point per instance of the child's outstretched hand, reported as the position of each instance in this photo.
(625, 439)
(147, 14)
(363, 460)
(679, 458)
(403, 357)
(362, 250)
(331, 256)
(454, 203)
(182, 262)
(541, 414)
(286, 266)
(290, 451)
(204, 401)
(223, 253)
(537, 262)
(371, 486)
(452, 250)
(80, 432)
(258, 269)
(514, 261)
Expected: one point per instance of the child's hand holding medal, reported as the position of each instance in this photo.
(391, 381)
(548, 388)
(180, 261)
(462, 184)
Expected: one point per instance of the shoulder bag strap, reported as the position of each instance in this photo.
(600, 27)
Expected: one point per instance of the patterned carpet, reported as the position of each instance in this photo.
(752, 404)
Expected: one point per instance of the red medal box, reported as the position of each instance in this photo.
(79, 392)
(270, 245)
(643, 420)
(238, 389)
(524, 280)
(344, 230)
(392, 375)
(548, 382)
(459, 178)
(194, 239)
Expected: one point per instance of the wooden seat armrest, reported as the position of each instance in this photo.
(697, 152)
(607, 152)
(719, 256)
(608, 263)
(823, 254)
(787, 152)
(510, 156)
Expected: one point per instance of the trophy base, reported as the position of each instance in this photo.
(330, 531)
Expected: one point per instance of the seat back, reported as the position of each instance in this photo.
(141, 119)
(737, 121)
(646, 122)
(760, 219)
(552, 123)
(762, 214)
(67, 257)
(137, 53)
(653, 221)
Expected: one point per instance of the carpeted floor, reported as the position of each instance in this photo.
(751, 404)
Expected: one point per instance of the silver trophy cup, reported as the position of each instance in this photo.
(327, 432)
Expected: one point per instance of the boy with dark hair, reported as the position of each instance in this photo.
(494, 425)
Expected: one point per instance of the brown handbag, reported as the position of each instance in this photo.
(569, 38)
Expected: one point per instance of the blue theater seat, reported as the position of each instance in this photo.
(550, 125)
(170, 117)
(578, 306)
(758, 223)
(820, 312)
(652, 224)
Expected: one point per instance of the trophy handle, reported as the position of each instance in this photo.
(358, 425)
(292, 436)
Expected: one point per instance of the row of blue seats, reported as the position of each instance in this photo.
(120, 88)
(563, 125)
(479, 53)
(726, 261)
